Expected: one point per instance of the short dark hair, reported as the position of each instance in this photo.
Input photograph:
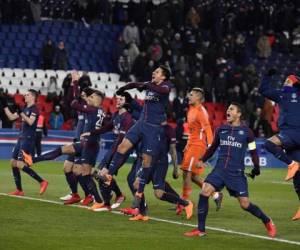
(98, 93)
(88, 91)
(34, 93)
(166, 71)
(239, 107)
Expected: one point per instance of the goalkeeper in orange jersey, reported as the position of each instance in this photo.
(200, 137)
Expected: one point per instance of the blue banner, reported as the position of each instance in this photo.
(55, 138)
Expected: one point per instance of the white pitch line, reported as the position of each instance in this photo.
(282, 183)
(168, 221)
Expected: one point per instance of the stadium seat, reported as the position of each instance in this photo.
(29, 73)
(7, 72)
(27, 83)
(16, 81)
(114, 77)
(61, 74)
(104, 76)
(50, 73)
(38, 82)
(40, 73)
(93, 76)
(109, 93)
(18, 73)
(5, 82)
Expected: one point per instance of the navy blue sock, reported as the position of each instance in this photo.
(32, 173)
(143, 206)
(277, 151)
(170, 190)
(171, 198)
(144, 178)
(202, 212)
(48, 156)
(83, 186)
(105, 192)
(296, 181)
(130, 181)
(17, 178)
(257, 212)
(116, 163)
(115, 188)
(72, 181)
(89, 182)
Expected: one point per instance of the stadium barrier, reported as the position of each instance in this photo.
(8, 138)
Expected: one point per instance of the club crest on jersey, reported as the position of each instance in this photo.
(294, 97)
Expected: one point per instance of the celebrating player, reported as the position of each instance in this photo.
(233, 140)
(26, 141)
(288, 99)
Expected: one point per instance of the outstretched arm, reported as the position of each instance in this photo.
(268, 91)
(75, 104)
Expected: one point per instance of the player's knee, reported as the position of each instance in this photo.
(86, 169)
(67, 167)
(244, 204)
(13, 163)
(76, 170)
(146, 161)
(158, 193)
(207, 190)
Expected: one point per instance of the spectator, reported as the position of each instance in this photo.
(260, 127)
(133, 52)
(48, 53)
(56, 118)
(155, 51)
(61, 57)
(131, 34)
(180, 106)
(263, 47)
(124, 66)
(52, 89)
(193, 18)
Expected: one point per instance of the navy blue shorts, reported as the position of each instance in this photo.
(148, 134)
(26, 144)
(290, 139)
(89, 153)
(236, 183)
(74, 159)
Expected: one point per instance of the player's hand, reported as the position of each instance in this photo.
(85, 134)
(271, 72)
(19, 110)
(200, 164)
(254, 172)
(175, 173)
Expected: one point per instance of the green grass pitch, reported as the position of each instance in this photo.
(31, 224)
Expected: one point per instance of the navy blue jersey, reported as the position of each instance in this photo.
(154, 110)
(80, 124)
(233, 142)
(288, 99)
(93, 118)
(28, 131)
(168, 137)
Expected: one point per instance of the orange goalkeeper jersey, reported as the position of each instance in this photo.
(200, 132)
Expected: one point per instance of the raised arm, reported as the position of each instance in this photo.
(268, 91)
(75, 104)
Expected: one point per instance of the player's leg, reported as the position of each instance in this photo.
(28, 147)
(275, 145)
(296, 181)
(77, 170)
(217, 196)
(186, 167)
(206, 192)
(72, 180)
(257, 212)
(16, 171)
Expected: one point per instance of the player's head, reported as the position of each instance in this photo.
(96, 98)
(234, 113)
(124, 100)
(85, 93)
(292, 80)
(196, 96)
(31, 96)
(162, 73)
